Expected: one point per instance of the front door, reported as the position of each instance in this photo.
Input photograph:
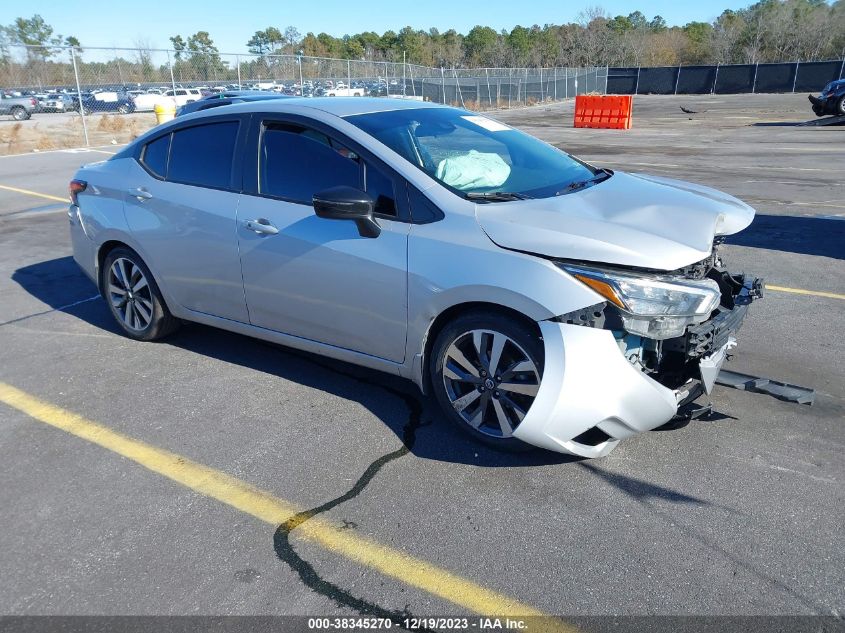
(316, 278)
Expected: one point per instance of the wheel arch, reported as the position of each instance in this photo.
(456, 311)
(107, 247)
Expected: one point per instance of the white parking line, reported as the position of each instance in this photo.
(71, 150)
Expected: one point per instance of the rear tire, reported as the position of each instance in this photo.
(485, 371)
(134, 298)
(124, 109)
(20, 114)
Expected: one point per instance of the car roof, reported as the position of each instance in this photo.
(338, 106)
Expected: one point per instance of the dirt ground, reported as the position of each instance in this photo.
(46, 131)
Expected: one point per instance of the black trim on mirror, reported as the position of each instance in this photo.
(348, 203)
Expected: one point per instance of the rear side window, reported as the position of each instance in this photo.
(154, 156)
(296, 162)
(202, 155)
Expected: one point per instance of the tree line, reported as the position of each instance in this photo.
(767, 31)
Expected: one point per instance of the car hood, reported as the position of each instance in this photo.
(628, 220)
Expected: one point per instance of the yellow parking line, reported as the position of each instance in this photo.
(34, 193)
(801, 291)
(265, 507)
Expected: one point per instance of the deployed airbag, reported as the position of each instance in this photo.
(473, 170)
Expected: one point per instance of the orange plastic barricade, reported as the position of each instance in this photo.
(604, 111)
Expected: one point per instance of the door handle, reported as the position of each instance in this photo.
(261, 226)
(140, 193)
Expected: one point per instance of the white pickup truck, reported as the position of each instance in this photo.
(343, 91)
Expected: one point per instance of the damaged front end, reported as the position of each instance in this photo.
(676, 327)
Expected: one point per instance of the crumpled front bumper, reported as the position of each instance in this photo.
(591, 396)
(588, 383)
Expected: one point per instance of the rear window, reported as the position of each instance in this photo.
(202, 155)
(154, 156)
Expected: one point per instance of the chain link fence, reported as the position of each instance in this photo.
(107, 95)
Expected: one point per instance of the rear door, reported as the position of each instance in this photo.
(316, 278)
(181, 207)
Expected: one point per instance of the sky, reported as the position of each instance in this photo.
(231, 24)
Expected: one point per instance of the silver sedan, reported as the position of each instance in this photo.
(538, 299)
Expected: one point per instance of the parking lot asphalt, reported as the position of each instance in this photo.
(738, 514)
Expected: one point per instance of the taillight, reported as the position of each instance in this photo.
(32, 100)
(75, 188)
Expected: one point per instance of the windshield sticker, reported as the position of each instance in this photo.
(487, 124)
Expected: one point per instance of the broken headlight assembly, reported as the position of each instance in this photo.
(653, 307)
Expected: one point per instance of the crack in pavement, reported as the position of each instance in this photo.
(281, 539)
(50, 311)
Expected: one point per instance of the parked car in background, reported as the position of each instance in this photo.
(20, 108)
(58, 102)
(146, 101)
(40, 98)
(535, 298)
(831, 100)
(227, 98)
(183, 95)
(343, 91)
(103, 102)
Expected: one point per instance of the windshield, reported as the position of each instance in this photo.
(474, 155)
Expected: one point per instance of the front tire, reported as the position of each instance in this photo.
(840, 106)
(133, 297)
(123, 109)
(485, 371)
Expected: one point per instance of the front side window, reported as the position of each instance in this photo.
(202, 155)
(296, 162)
(472, 154)
(380, 187)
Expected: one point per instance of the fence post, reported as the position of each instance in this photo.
(541, 84)
(489, 94)
(172, 79)
(677, 79)
(715, 79)
(637, 85)
(555, 75)
(79, 96)
(754, 81)
(510, 87)
(443, 84)
(299, 60)
(795, 79)
(458, 87)
(842, 69)
(238, 62)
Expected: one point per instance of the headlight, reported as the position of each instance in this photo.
(653, 307)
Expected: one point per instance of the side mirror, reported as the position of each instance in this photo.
(348, 203)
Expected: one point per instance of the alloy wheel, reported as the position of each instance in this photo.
(490, 380)
(130, 294)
